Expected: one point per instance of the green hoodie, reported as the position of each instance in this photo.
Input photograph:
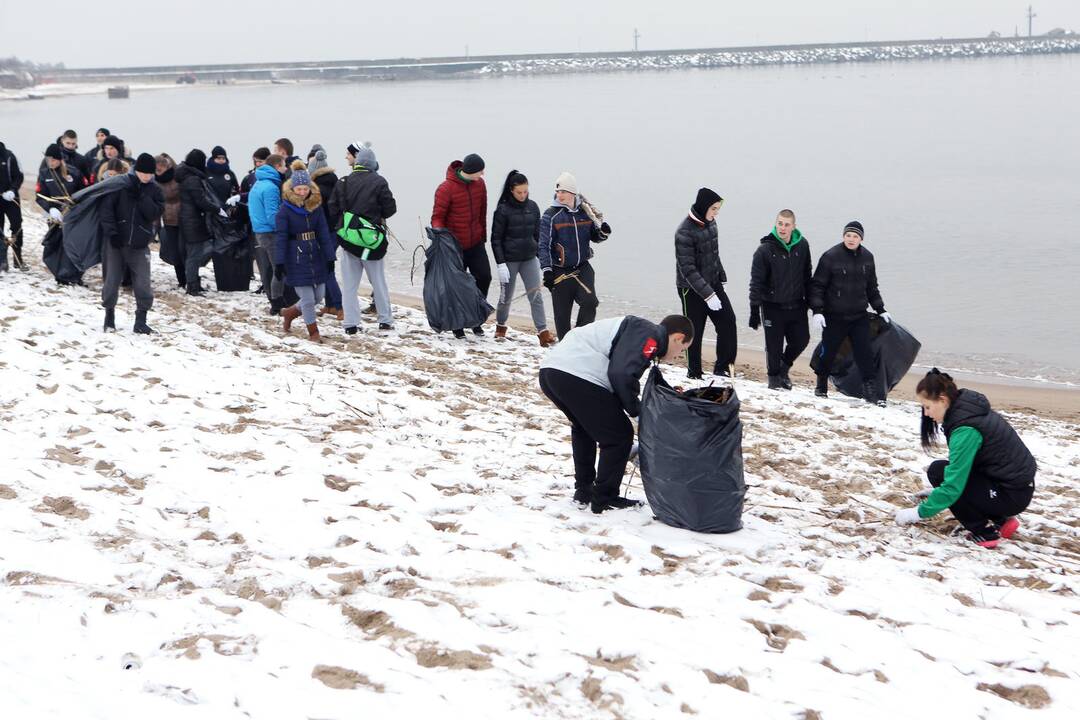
(464, 179)
(796, 237)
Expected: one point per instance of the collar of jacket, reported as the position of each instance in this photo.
(701, 223)
(360, 168)
(796, 236)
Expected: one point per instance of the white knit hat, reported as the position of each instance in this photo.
(566, 182)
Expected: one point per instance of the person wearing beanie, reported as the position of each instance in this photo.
(263, 203)
(96, 154)
(359, 207)
(779, 288)
(221, 178)
(56, 184)
(11, 180)
(326, 179)
(844, 284)
(304, 251)
(515, 228)
(461, 208)
(194, 206)
(567, 233)
(112, 149)
(128, 218)
(169, 232)
(699, 281)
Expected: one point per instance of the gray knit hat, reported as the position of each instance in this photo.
(317, 161)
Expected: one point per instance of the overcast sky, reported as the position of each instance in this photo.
(90, 33)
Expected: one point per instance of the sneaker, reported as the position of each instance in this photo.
(724, 372)
(352, 330)
(1008, 528)
(478, 330)
(987, 538)
(370, 309)
(774, 383)
(615, 503)
(386, 326)
(459, 334)
(583, 495)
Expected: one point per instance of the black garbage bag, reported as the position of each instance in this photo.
(56, 259)
(82, 223)
(451, 299)
(169, 246)
(894, 348)
(232, 267)
(691, 456)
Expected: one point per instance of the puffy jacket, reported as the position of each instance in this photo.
(171, 190)
(779, 276)
(365, 193)
(223, 180)
(515, 231)
(461, 208)
(1003, 457)
(264, 200)
(51, 184)
(11, 177)
(697, 257)
(845, 282)
(303, 243)
(129, 216)
(565, 237)
(194, 204)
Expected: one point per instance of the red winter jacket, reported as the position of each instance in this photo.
(461, 208)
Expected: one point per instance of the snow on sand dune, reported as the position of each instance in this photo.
(264, 528)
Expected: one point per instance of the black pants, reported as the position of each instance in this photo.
(13, 212)
(784, 326)
(983, 499)
(723, 321)
(596, 419)
(837, 329)
(476, 262)
(580, 289)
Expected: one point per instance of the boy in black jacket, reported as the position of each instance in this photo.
(128, 220)
(11, 180)
(593, 375)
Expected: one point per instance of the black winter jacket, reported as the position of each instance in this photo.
(515, 231)
(778, 276)
(129, 217)
(11, 177)
(637, 343)
(365, 193)
(326, 180)
(697, 257)
(1003, 457)
(222, 180)
(51, 184)
(194, 205)
(845, 282)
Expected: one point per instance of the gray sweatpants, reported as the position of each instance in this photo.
(529, 270)
(264, 258)
(138, 261)
(352, 271)
(309, 297)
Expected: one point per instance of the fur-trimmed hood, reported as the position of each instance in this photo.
(311, 203)
(321, 171)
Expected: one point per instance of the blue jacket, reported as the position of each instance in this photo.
(305, 258)
(264, 200)
(565, 235)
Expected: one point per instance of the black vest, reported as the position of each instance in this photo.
(1003, 457)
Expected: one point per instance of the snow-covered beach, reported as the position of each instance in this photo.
(260, 527)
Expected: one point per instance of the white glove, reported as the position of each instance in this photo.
(9, 196)
(233, 200)
(714, 303)
(923, 494)
(56, 215)
(819, 321)
(907, 516)
(222, 213)
(886, 317)
(504, 274)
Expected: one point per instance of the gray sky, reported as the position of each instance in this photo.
(137, 32)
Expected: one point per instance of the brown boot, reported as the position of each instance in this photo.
(289, 314)
(500, 332)
(546, 338)
(313, 333)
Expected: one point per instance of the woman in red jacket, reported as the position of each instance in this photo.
(461, 208)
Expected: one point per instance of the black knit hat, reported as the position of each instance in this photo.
(145, 163)
(706, 198)
(219, 151)
(115, 142)
(196, 159)
(472, 163)
(54, 152)
(103, 131)
(854, 226)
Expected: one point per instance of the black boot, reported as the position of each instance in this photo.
(110, 320)
(615, 503)
(459, 334)
(785, 379)
(583, 495)
(774, 383)
(195, 289)
(141, 328)
(869, 391)
(478, 330)
(822, 389)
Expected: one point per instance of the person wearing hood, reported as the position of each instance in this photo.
(461, 208)
(779, 289)
(359, 207)
(96, 154)
(304, 250)
(325, 179)
(699, 280)
(264, 201)
(128, 220)
(11, 180)
(194, 206)
(989, 477)
(169, 232)
(515, 230)
(221, 178)
(844, 283)
(567, 233)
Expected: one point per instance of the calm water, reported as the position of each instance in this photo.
(963, 173)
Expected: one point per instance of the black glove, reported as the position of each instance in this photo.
(330, 267)
(755, 317)
(279, 272)
(549, 279)
(605, 229)
(116, 242)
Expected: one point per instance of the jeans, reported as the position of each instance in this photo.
(531, 277)
(310, 296)
(352, 271)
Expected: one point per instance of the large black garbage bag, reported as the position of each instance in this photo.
(232, 267)
(691, 458)
(894, 348)
(82, 223)
(56, 259)
(451, 299)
